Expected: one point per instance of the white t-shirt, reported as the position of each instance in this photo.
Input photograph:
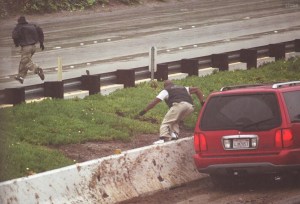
(163, 95)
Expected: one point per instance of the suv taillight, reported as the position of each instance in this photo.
(200, 142)
(284, 138)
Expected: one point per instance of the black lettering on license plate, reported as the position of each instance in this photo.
(240, 143)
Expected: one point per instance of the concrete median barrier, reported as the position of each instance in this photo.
(110, 179)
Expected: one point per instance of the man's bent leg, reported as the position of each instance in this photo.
(170, 119)
(184, 109)
(30, 50)
(31, 65)
(25, 61)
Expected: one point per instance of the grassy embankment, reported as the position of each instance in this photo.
(27, 129)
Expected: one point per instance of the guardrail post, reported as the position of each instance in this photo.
(126, 77)
(297, 45)
(14, 95)
(91, 83)
(277, 51)
(54, 89)
(220, 61)
(190, 66)
(162, 72)
(249, 56)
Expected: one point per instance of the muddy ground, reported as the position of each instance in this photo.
(249, 191)
(94, 150)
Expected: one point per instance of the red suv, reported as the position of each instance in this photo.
(249, 129)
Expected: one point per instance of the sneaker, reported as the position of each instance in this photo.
(41, 73)
(174, 136)
(159, 141)
(20, 79)
(163, 140)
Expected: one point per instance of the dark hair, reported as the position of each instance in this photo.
(22, 19)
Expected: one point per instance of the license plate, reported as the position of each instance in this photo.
(240, 143)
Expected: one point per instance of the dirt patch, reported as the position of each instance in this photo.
(94, 150)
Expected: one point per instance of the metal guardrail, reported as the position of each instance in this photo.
(128, 77)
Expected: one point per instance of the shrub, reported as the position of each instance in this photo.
(12, 7)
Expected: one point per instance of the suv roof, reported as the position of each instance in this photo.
(269, 85)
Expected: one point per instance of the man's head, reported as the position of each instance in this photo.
(168, 83)
(22, 20)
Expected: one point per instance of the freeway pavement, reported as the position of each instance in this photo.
(106, 41)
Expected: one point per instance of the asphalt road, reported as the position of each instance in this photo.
(254, 190)
(106, 41)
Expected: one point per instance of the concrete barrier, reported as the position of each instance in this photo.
(110, 179)
(106, 90)
(76, 94)
(207, 71)
(291, 55)
(178, 76)
(237, 66)
(265, 60)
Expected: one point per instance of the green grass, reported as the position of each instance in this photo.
(27, 130)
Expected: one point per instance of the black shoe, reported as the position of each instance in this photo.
(41, 73)
(20, 79)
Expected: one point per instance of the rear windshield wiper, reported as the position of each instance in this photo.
(256, 123)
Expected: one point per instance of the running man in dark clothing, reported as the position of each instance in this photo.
(27, 35)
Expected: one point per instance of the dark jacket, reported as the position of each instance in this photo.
(27, 34)
(178, 94)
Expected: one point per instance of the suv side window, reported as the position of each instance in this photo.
(245, 112)
(292, 101)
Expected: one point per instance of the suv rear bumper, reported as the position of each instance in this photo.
(249, 168)
(286, 160)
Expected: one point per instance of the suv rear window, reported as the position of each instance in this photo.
(292, 101)
(247, 112)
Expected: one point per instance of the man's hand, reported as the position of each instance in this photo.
(42, 46)
(143, 112)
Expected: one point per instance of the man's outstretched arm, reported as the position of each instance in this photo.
(151, 105)
(198, 93)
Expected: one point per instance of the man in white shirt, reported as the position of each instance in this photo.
(180, 102)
